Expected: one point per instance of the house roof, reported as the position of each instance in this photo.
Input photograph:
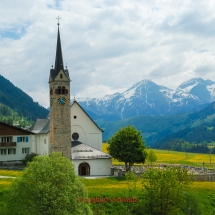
(72, 103)
(41, 126)
(83, 151)
(6, 129)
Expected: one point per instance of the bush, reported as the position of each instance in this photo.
(29, 158)
(48, 186)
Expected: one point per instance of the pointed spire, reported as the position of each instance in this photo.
(58, 60)
(59, 57)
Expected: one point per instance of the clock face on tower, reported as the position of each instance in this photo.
(61, 101)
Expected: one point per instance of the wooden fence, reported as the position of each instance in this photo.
(204, 177)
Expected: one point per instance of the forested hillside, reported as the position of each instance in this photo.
(16, 104)
(183, 132)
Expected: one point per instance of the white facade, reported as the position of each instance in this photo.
(89, 133)
(42, 144)
(98, 166)
(23, 144)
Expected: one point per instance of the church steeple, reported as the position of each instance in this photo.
(59, 57)
(54, 72)
(60, 118)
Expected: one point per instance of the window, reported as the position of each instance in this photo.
(6, 139)
(22, 139)
(61, 76)
(75, 136)
(51, 91)
(44, 141)
(25, 150)
(11, 151)
(63, 90)
(59, 90)
(3, 151)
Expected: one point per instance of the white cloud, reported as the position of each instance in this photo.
(108, 45)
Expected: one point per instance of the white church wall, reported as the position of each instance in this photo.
(97, 166)
(94, 140)
(78, 129)
(91, 134)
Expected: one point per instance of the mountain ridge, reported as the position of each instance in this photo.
(17, 100)
(150, 99)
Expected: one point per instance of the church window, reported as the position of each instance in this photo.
(51, 92)
(63, 90)
(75, 136)
(75, 117)
(61, 76)
(59, 90)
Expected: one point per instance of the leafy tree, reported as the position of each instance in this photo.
(190, 205)
(163, 190)
(48, 186)
(151, 157)
(127, 146)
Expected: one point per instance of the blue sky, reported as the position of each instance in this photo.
(108, 45)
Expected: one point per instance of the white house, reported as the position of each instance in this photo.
(15, 143)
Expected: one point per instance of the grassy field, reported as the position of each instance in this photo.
(174, 157)
(118, 187)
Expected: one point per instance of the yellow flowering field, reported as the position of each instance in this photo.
(174, 157)
(5, 183)
(13, 173)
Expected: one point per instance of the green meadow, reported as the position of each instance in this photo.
(111, 187)
(118, 187)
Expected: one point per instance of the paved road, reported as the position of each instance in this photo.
(87, 177)
(7, 177)
(96, 176)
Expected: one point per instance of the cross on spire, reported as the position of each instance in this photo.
(58, 18)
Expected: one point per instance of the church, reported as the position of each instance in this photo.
(68, 129)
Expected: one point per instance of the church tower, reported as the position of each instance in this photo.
(60, 120)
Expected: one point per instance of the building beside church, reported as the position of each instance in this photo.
(68, 129)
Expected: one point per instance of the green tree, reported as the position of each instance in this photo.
(151, 157)
(162, 192)
(190, 205)
(127, 146)
(48, 186)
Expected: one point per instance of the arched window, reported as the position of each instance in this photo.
(61, 76)
(59, 90)
(63, 90)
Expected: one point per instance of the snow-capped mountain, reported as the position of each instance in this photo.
(148, 98)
